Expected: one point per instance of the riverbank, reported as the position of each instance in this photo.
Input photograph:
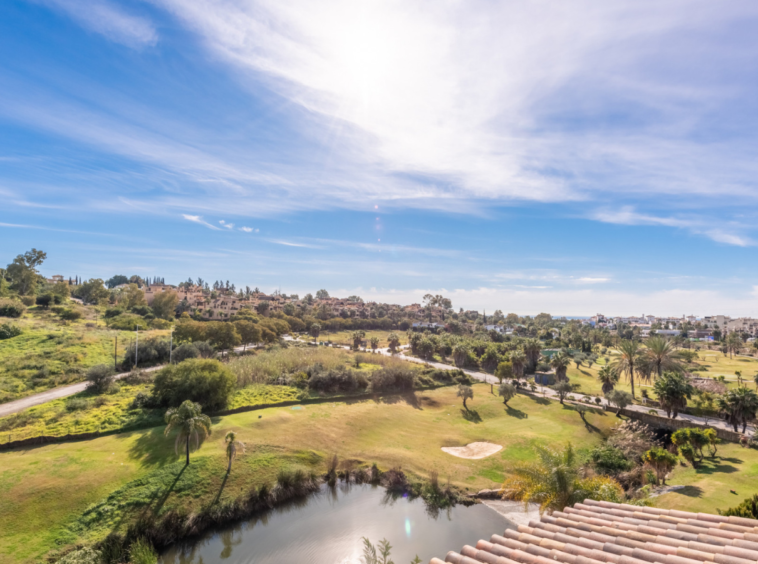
(81, 492)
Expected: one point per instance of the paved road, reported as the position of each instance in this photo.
(15, 406)
(490, 379)
(65, 391)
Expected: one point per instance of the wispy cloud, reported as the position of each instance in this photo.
(590, 280)
(699, 225)
(249, 229)
(199, 220)
(293, 244)
(108, 19)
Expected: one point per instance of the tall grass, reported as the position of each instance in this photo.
(265, 367)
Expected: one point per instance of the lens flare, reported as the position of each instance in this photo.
(407, 527)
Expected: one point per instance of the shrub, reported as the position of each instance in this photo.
(112, 312)
(11, 308)
(337, 380)
(8, 331)
(126, 322)
(392, 378)
(82, 556)
(207, 382)
(28, 301)
(609, 460)
(142, 552)
(67, 314)
(77, 404)
(44, 301)
(185, 351)
(152, 350)
(100, 378)
(748, 509)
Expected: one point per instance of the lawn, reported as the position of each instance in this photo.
(708, 487)
(51, 352)
(49, 488)
(346, 337)
(85, 412)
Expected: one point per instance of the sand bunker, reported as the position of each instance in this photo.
(473, 451)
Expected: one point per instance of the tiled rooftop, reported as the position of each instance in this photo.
(597, 532)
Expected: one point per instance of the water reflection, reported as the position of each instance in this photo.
(327, 528)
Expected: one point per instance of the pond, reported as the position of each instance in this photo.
(326, 528)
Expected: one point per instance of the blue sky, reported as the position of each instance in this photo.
(571, 157)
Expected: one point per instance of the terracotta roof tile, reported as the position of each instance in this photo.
(595, 532)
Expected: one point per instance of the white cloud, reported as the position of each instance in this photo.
(293, 244)
(108, 19)
(199, 220)
(626, 215)
(531, 301)
(471, 96)
(246, 229)
(590, 280)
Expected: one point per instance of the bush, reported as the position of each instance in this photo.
(126, 322)
(160, 324)
(77, 404)
(392, 378)
(8, 331)
(11, 308)
(67, 314)
(112, 312)
(100, 378)
(337, 380)
(185, 351)
(28, 301)
(44, 301)
(142, 552)
(748, 509)
(207, 382)
(81, 556)
(609, 460)
(152, 350)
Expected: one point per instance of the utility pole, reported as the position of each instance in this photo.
(136, 348)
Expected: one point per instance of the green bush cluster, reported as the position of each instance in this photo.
(204, 381)
(8, 331)
(11, 308)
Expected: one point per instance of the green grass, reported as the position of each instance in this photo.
(56, 495)
(51, 353)
(345, 338)
(104, 413)
(708, 487)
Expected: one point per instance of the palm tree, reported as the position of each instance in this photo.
(608, 377)
(673, 392)
(190, 421)
(374, 343)
(518, 360)
(532, 348)
(393, 341)
(628, 358)
(560, 362)
(662, 355)
(232, 447)
(555, 482)
(739, 406)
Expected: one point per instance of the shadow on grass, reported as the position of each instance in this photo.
(538, 399)
(152, 448)
(517, 413)
(221, 489)
(471, 415)
(409, 397)
(164, 496)
(690, 491)
(708, 469)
